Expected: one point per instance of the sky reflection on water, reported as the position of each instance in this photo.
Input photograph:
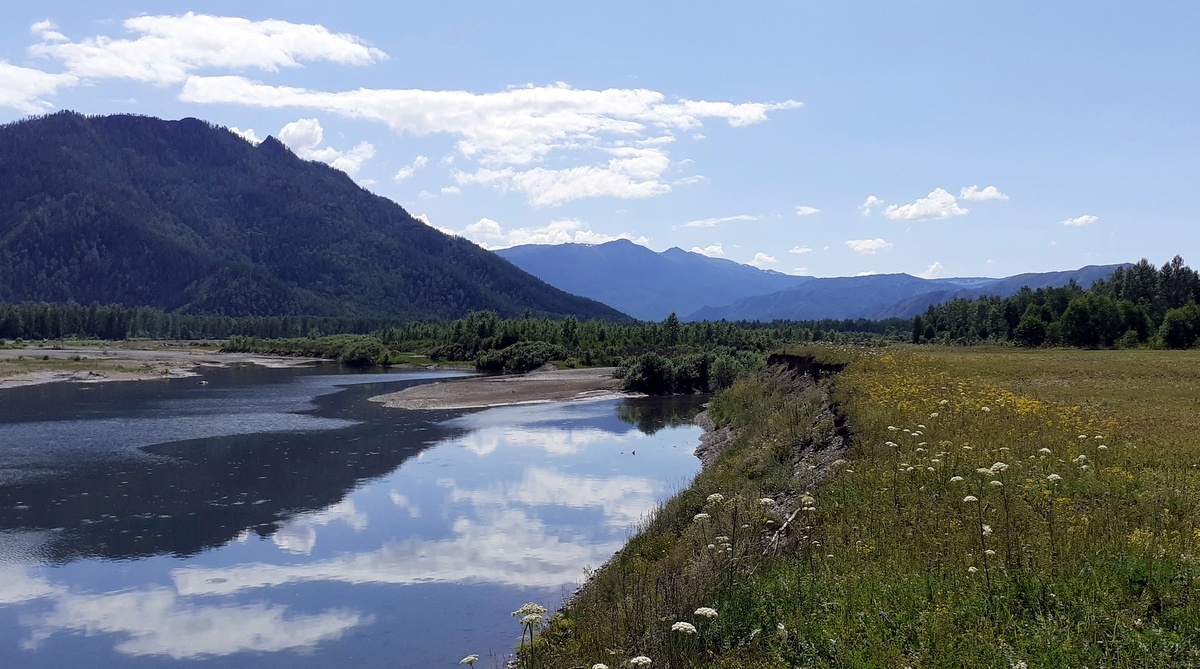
(386, 537)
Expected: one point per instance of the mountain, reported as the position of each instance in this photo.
(188, 217)
(885, 295)
(643, 283)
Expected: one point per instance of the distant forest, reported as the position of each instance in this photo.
(1139, 306)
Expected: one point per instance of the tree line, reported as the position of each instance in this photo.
(1141, 305)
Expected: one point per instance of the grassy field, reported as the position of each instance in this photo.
(998, 508)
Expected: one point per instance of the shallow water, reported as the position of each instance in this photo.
(276, 518)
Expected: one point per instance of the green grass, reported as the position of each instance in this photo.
(1082, 556)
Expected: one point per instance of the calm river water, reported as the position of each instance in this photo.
(276, 518)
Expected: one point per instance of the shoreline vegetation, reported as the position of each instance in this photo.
(992, 507)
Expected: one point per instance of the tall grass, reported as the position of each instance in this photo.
(998, 507)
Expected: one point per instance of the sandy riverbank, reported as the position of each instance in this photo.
(33, 365)
(490, 391)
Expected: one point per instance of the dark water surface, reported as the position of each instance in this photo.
(276, 518)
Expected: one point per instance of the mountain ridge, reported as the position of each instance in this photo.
(188, 217)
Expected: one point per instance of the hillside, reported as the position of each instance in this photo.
(643, 283)
(188, 217)
(885, 295)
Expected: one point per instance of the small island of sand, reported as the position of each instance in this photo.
(491, 391)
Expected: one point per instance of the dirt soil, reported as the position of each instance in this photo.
(490, 391)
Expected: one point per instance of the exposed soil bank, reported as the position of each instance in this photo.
(34, 365)
(490, 391)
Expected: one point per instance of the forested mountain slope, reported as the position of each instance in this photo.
(185, 216)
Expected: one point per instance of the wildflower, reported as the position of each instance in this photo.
(970, 498)
(1045, 451)
(640, 661)
(944, 402)
(766, 501)
(706, 612)
(1099, 436)
(1102, 447)
(807, 500)
(532, 620)
(1080, 458)
(996, 484)
(1019, 665)
(527, 609)
(986, 530)
(972, 569)
(920, 427)
(933, 415)
(712, 547)
(984, 409)
(780, 627)
(892, 428)
(986, 471)
(1054, 478)
(955, 479)
(989, 552)
(716, 498)
(700, 517)
(599, 665)
(838, 462)
(1083, 436)
(998, 467)
(470, 660)
(686, 628)
(721, 539)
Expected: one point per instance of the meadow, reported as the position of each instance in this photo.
(996, 508)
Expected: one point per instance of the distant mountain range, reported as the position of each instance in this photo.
(651, 285)
(643, 283)
(188, 217)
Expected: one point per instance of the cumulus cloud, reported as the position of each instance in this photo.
(714, 222)
(247, 134)
(806, 211)
(166, 49)
(934, 271)
(450, 190)
(24, 89)
(975, 194)
(761, 260)
(800, 249)
(712, 251)
(1086, 219)
(938, 204)
(409, 170)
(869, 205)
(630, 174)
(304, 136)
(868, 247)
(491, 235)
(47, 32)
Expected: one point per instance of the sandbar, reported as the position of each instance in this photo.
(479, 392)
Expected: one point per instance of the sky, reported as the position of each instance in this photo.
(831, 139)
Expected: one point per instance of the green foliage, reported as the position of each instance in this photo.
(1128, 310)
(1181, 327)
(520, 357)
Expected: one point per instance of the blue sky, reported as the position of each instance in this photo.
(935, 138)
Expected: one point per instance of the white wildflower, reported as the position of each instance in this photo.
(716, 498)
(972, 569)
(706, 612)
(998, 467)
(995, 484)
(1045, 451)
(1054, 478)
(766, 501)
(984, 409)
(640, 661)
(527, 609)
(970, 498)
(700, 517)
(986, 530)
(933, 415)
(686, 628)
(955, 479)
(1102, 447)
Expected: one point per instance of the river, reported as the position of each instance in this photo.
(277, 518)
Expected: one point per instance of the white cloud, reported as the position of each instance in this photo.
(937, 205)
(409, 170)
(799, 271)
(868, 247)
(714, 222)
(975, 194)
(166, 49)
(869, 205)
(24, 88)
(866, 273)
(47, 32)
(933, 272)
(1086, 219)
(247, 134)
(491, 235)
(712, 251)
(299, 533)
(806, 211)
(304, 136)
(800, 249)
(451, 190)
(761, 260)
(630, 174)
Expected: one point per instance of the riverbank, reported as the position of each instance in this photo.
(33, 365)
(559, 385)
